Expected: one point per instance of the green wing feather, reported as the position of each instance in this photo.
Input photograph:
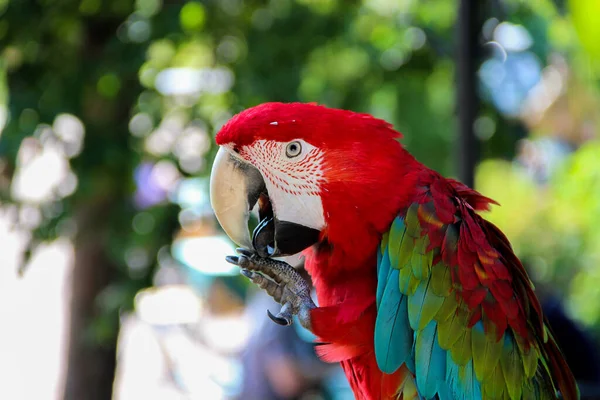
(452, 272)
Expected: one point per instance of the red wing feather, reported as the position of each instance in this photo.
(485, 271)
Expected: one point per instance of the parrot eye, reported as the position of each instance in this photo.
(293, 149)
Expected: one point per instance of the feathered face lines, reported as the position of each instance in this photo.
(294, 167)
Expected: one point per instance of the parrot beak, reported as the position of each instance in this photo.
(236, 187)
(234, 190)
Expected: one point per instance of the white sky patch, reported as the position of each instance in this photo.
(206, 254)
(71, 131)
(39, 173)
(34, 314)
(194, 81)
(512, 37)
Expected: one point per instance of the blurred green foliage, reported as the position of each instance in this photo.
(103, 61)
(554, 227)
(585, 19)
(100, 62)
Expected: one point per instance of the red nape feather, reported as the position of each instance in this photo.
(318, 125)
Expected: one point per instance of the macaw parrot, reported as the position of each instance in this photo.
(419, 297)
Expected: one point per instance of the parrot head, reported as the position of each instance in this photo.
(316, 175)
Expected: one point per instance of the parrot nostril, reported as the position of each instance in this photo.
(236, 150)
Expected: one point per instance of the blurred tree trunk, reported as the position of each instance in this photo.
(470, 21)
(101, 210)
(90, 371)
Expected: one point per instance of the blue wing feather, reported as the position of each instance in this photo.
(397, 337)
(430, 361)
(393, 338)
(462, 380)
(383, 271)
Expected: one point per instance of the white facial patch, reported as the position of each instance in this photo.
(293, 180)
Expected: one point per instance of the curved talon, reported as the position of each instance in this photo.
(244, 252)
(279, 320)
(245, 262)
(232, 260)
(248, 274)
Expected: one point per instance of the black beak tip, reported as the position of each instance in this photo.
(263, 238)
(291, 238)
(275, 238)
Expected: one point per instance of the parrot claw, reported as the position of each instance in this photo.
(283, 319)
(282, 282)
(244, 252)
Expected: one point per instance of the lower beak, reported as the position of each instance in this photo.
(236, 187)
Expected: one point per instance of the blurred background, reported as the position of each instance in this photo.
(113, 282)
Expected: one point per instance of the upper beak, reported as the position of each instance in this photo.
(235, 189)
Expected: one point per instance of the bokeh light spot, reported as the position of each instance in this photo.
(109, 85)
(143, 223)
(140, 125)
(192, 16)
